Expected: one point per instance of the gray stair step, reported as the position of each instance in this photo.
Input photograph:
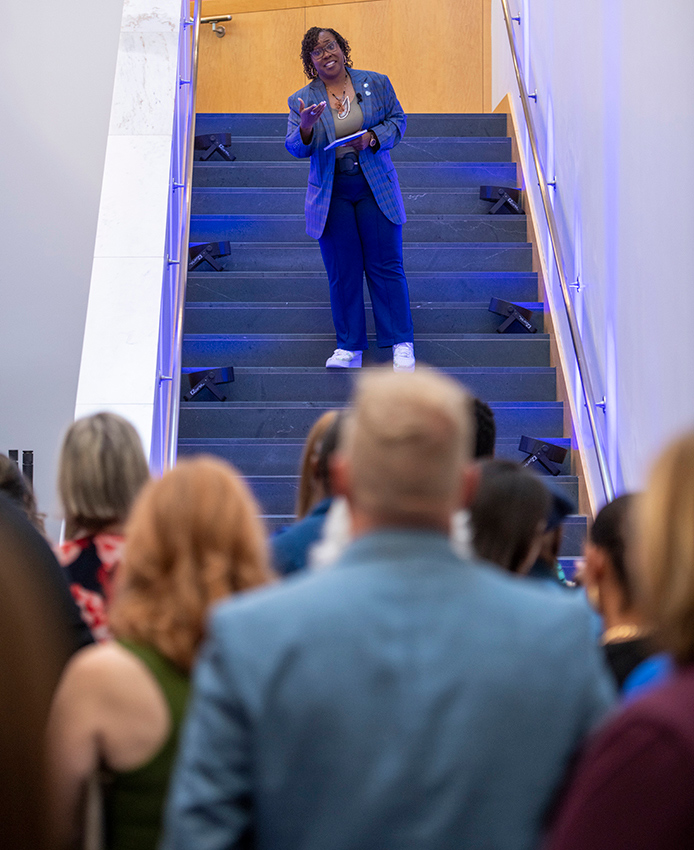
(434, 124)
(290, 201)
(419, 228)
(317, 383)
(268, 315)
(306, 319)
(290, 286)
(282, 455)
(411, 175)
(277, 494)
(464, 350)
(575, 529)
(417, 257)
(289, 419)
(410, 149)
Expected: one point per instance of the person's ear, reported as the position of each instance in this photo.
(340, 475)
(469, 482)
(595, 564)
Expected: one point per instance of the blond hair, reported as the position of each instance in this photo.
(308, 495)
(102, 468)
(194, 537)
(665, 578)
(407, 439)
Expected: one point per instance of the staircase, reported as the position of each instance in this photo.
(268, 315)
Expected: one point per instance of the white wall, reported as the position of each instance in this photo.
(119, 358)
(57, 65)
(615, 114)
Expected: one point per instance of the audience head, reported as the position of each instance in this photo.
(34, 646)
(485, 433)
(606, 553)
(15, 485)
(194, 537)
(508, 515)
(102, 468)
(313, 482)
(406, 446)
(665, 574)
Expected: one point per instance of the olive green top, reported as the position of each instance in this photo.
(134, 801)
(347, 126)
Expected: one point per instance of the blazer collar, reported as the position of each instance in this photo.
(326, 120)
(399, 546)
(362, 85)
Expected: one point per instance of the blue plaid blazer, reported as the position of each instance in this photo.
(382, 114)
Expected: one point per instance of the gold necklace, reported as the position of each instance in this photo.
(619, 634)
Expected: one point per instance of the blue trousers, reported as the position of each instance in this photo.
(358, 239)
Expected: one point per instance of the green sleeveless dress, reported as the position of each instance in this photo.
(134, 801)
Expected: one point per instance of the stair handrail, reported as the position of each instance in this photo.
(581, 361)
(175, 278)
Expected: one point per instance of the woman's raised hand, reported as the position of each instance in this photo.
(310, 114)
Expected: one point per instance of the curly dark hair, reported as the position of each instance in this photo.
(309, 42)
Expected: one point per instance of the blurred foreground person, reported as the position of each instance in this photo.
(547, 568)
(34, 646)
(290, 547)
(18, 490)
(508, 515)
(313, 486)
(634, 789)
(102, 468)
(336, 532)
(14, 485)
(194, 538)
(404, 698)
(626, 638)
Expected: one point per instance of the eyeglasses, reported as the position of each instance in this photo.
(326, 48)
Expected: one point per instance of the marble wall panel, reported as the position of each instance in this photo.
(150, 16)
(119, 355)
(134, 198)
(121, 336)
(143, 98)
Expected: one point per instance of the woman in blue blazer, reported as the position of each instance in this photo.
(353, 204)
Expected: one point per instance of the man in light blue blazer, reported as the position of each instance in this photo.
(354, 205)
(403, 700)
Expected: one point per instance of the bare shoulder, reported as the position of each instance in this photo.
(100, 663)
(108, 690)
(108, 674)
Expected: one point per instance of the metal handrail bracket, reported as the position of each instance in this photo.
(574, 331)
(168, 389)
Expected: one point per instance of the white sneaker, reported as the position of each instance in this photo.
(343, 359)
(403, 357)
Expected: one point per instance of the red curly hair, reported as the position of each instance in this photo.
(194, 537)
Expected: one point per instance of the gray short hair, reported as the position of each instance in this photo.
(102, 468)
(408, 439)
